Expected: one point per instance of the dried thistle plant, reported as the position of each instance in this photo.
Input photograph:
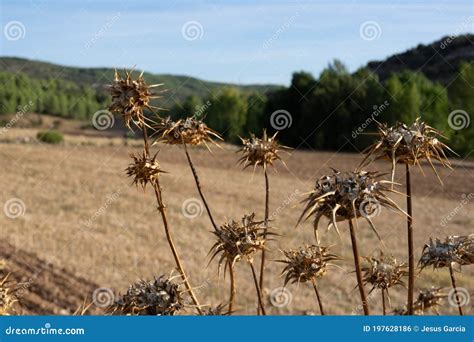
(7, 296)
(130, 97)
(261, 152)
(307, 263)
(383, 273)
(453, 250)
(189, 131)
(408, 144)
(237, 241)
(345, 196)
(427, 299)
(218, 310)
(144, 169)
(161, 296)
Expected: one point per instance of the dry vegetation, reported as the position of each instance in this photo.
(124, 236)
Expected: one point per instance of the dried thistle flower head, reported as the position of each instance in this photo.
(429, 298)
(236, 240)
(130, 97)
(453, 250)
(7, 296)
(384, 272)
(143, 169)
(260, 151)
(408, 144)
(218, 310)
(190, 131)
(347, 195)
(306, 263)
(161, 296)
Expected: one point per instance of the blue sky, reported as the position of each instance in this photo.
(232, 41)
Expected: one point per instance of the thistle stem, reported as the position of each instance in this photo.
(411, 259)
(383, 302)
(232, 287)
(267, 199)
(162, 210)
(257, 287)
(198, 185)
(318, 297)
(453, 282)
(355, 251)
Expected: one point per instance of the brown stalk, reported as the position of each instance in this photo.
(257, 287)
(267, 199)
(453, 282)
(198, 185)
(232, 287)
(355, 251)
(383, 302)
(411, 259)
(162, 210)
(317, 296)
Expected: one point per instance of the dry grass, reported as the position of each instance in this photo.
(83, 214)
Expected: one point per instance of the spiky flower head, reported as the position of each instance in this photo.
(453, 250)
(161, 296)
(384, 272)
(260, 151)
(130, 97)
(347, 195)
(408, 144)
(189, 131)
(7, 296)
(236, 240)
(306, 263)
(218, 310)
(143, 169)
(430, 298)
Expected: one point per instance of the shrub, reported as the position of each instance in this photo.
(50, 137)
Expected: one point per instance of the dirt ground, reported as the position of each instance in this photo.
(94, 230)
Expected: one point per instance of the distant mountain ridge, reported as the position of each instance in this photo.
(439, 61)
(179, 87)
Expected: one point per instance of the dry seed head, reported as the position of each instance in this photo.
(453, 250)
(306, 263)
(7, 296)
(236, 240)
(260, 151)
(190, 131)
(143, 169)
(130, 97)
(161, 296)
(384, 272)
(219, 310)
(408, 144)
(427, 299)
(346, 195)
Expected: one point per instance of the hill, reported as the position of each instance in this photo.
(180, 87)
(441, 66)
